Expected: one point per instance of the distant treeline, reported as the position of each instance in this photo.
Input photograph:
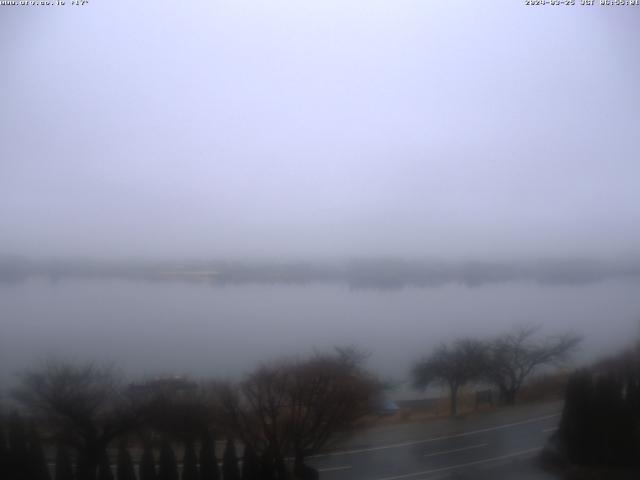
(384, 273)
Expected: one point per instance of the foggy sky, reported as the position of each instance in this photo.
(209, 128)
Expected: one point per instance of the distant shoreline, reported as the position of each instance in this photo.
(376, 273)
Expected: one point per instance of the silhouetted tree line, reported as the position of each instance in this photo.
(600, 423)
(505, 361)
(283, 410)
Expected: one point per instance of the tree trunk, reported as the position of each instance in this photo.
(454, 400)
(303, 471)
(508, 396)
(86, 465)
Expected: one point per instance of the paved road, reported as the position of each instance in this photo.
(493, 445)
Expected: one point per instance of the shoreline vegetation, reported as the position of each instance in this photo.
(283, 412)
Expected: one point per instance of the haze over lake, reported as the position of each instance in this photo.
(201, 329)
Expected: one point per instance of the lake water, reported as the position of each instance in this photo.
(151, 328)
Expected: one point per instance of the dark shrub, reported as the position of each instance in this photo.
(230, 469)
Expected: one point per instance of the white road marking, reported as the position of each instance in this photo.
(433, 439)
(462, 465)
(462, 449)
(334, 469)
(551, 429)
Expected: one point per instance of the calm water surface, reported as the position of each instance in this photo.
(196, 328)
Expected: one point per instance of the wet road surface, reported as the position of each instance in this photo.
(501, 444)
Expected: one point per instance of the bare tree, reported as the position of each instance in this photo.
(514, 356)
(452, 365)
(83, 405)
(327, 394)
(296, 407)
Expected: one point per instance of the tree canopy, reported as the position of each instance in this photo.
(295, 407)
(514, 356)
(453, 365)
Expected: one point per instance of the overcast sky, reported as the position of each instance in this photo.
(319, 128)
